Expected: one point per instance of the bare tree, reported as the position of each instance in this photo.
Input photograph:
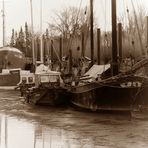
(69, 22)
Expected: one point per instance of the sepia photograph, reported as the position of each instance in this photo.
(73, 74)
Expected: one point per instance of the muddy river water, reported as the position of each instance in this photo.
(26, 126)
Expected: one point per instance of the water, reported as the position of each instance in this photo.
(24, 126)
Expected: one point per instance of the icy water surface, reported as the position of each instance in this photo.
(24, 126)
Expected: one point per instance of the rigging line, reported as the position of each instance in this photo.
(141, 11)
(57, 54)
(103, 7)
(105, 15)
(104, 12)
(78, 10)
(125, 20)
(105, 32)
(124, 11)
(138, 91)
(136, 21)
(128, 24)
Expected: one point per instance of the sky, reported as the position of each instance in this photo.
(17, 12)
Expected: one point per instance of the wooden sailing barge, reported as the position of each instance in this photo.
(122, 91)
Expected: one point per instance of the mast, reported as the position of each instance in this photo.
(32, 32)
(3, 16)
(51, 55)
(147, 33)
(114, 65)
(138, 30)
(60, 52)
(82, 44)
(41, 37)
(120, 41)
(91, 33)
(98, 45)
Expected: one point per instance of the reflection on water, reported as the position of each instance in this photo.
(22, 133)
(24, 126)
(16, 133)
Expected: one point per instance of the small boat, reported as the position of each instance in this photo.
(48, 90)
(11, 78)
(12, 63)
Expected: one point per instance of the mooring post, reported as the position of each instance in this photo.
(91, 33)
(60, 52)
(98, 45)
(114, 39)
(120, 41)
(147, 33)
(70, 61)
(82, 44)
(51, 54)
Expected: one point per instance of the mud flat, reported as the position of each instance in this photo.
(22, 125)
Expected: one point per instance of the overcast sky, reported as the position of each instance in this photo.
(18, 12)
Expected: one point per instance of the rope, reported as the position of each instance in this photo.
(136, 21)
(105, 15)
(130, 33)
(139, 90)
(57, 55)
(106, 41)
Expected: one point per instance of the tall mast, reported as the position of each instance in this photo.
(91, 33)
(147, 34)
(41, 38)
(120, 41)
(114, 40)
(3, 15)
(32, 32)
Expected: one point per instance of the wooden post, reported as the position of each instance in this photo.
(120, 41)
(70, 61)
(32, 38)
(3, 15)
(147, 33)
(38, 48)
(44, 49)
(98, 45)
(138, 30)
(114, 40)
(60, 53)
(41, 49)
(51, 55)
(47, 46)
(146, 67)
(82, 44)
(91, 33)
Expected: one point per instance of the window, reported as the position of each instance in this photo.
(24, 79)
(30, 79)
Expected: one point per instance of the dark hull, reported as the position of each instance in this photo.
(11, 58)
(9, 79)
(47, 96)
(94, 96)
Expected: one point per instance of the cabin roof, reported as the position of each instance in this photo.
(7, 48)
(97, 69)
